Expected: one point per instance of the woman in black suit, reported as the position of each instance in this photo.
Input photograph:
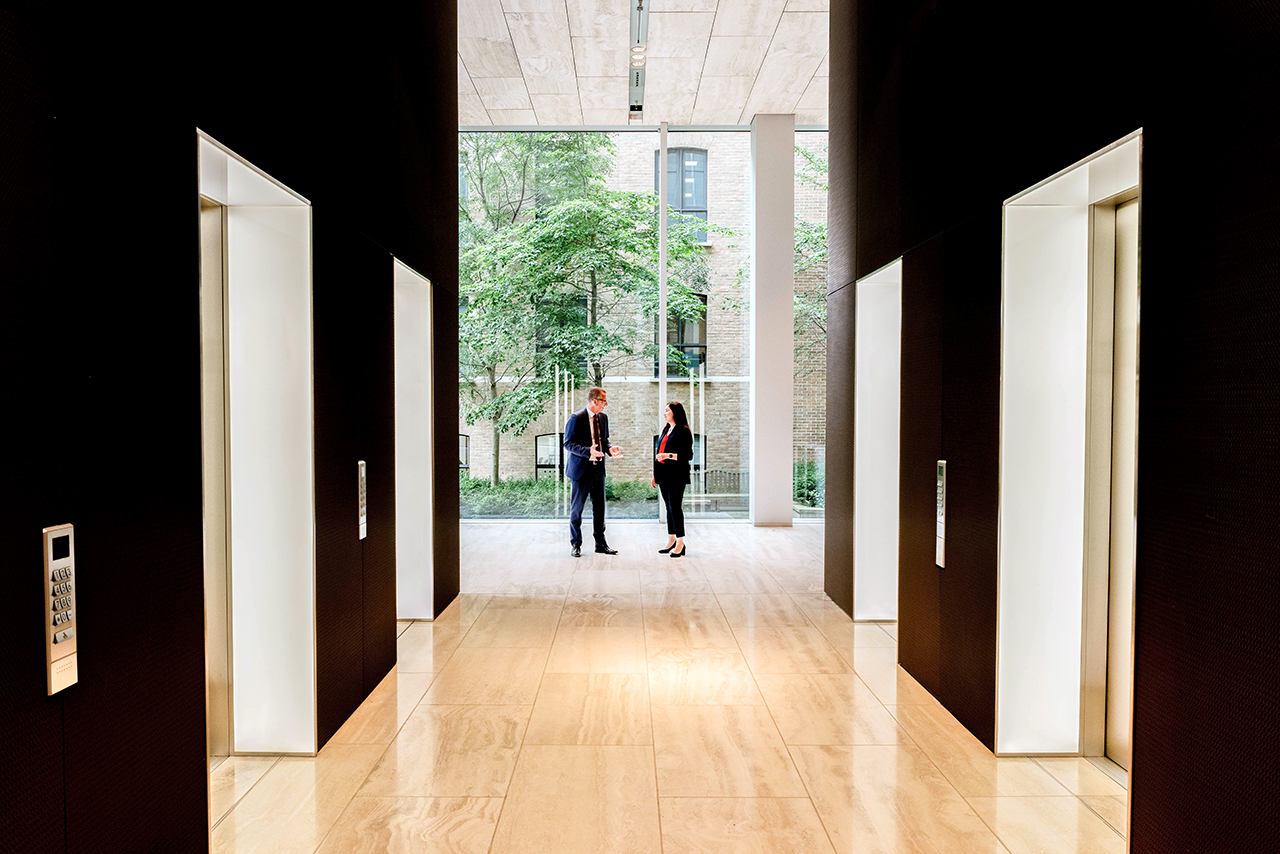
(671, 473)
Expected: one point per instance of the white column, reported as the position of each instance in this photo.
(772, 288)
(415, 578)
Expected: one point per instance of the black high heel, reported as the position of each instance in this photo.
(680, 553)
(667, 549)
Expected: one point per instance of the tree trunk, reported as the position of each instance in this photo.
(493, 395)
(597, 377)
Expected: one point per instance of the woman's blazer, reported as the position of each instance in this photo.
(680, 444)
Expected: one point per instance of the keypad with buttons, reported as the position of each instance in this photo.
(60, 604)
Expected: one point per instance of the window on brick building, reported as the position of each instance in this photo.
(686, 182)
(464, 451)
(689, 337)
(548, 456)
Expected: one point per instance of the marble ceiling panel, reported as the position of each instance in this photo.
(673, 34)
(748, 18)
(721, 100)
(735, 56)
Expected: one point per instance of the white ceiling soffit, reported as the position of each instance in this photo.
(565, 63)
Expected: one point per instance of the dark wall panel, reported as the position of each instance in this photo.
(838, 530)
(1207, 662)
(920, 448)
(347, 271)
(37, 491)
(970, 445)
(378, 450)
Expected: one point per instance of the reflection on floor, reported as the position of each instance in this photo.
(634, 703)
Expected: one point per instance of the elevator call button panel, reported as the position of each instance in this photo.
(940, 547)
(363, 503)
(60, 583)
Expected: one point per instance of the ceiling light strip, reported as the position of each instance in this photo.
(636, 58)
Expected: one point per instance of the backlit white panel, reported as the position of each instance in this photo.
(879, 335)
(1042, 436)
(272, 529)
(415, 580)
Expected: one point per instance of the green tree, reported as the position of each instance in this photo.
(557, 271)
(811, 253)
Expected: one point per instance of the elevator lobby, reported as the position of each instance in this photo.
(738, 699)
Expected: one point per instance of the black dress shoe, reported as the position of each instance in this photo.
(667, 549)
(577, 551)
(605, 550)
(680, 553)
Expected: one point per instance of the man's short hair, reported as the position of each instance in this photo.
(595, 393)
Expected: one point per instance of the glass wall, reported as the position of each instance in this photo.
(810, 442)
(559, 292)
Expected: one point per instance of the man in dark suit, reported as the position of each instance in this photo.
(586, 436)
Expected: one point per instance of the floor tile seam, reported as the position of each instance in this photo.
(794, 768)
(653, 737)
(809, 794)
(1105, 823)
(338, 820)
(240, 799)
(1036, 760)
(1104, 819)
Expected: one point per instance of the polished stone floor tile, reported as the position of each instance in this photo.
(513, 627)
(1114, 811)
(817, 708)
(1047, 825)
(462, 611)
(597, 649)
(763, 609)
(967, 763)
(721, 751)
(893, 686)
(414, 826)
(233, 779)
(743, 582)
(385, 710)
(742, 826)
(788, 650)
(847, 637)
(426, 647)
(680, 627)
(889, 799)
(502, 677)
(701, 677)
(451, 751)
(581, 800)
(296, 803)
(1081, 777)
(694, 597)
(591, 708)
(602, 609)
(606, 581)
(820, 610)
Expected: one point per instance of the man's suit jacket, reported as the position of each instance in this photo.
(577, 441)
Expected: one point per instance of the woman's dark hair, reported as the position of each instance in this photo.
(677, 412)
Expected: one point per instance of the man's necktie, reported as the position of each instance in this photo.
(595, 433)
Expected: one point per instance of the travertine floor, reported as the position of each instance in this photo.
(635, 703)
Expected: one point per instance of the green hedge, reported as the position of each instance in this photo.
(536, 499)
(809, 484)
